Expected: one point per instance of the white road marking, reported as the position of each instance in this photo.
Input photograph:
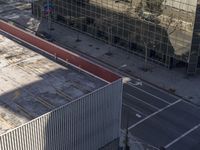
(154, 107)
(138, 115)
(153, 114)
(132, 85)
(191, 104)
(132, 108)
(161, 90)
(182, 136)
(137, 82)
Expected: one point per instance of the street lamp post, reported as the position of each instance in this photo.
(126, 140)
(49, 11)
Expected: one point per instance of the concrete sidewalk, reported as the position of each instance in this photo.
(174, 80)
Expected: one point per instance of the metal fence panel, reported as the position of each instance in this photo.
(87, 123)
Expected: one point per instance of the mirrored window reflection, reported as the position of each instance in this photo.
(162, 28)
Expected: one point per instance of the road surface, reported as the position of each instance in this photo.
(160, 118)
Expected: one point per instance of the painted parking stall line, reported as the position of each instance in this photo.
(153, 114)
(182, 136)
(145, 103)
(132, 85)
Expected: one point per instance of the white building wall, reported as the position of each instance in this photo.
(88, 123)
(187, 5)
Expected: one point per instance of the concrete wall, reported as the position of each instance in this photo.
(87, 123)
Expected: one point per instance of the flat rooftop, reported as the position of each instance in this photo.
(32, 85)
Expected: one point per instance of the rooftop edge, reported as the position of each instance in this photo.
(60, 52)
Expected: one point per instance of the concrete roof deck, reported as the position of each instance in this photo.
(31, 84)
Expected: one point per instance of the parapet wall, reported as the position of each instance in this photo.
(59, 52)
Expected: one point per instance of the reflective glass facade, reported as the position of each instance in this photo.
(161, 30)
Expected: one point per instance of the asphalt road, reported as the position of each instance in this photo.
(159, 118)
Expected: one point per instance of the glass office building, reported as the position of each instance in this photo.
(164, 31)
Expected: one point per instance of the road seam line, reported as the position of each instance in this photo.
(182, 136)
(153, 114)
(130, 84)
(142, 101)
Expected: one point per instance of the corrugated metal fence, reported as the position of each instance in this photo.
(87, 123)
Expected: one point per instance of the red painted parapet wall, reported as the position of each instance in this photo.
(59, 52)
